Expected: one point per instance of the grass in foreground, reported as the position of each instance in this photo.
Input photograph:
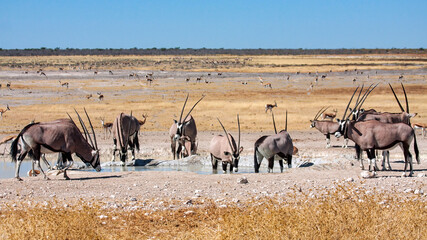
(343, 213)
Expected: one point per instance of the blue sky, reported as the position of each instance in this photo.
(213, 24)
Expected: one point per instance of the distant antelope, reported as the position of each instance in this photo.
(187, 80)
(142, 122)
(198, 79)
(88, 96)
(260, 80)
(270, 107)
(422, 126)
(43, 74)
(100, 96)
(111, 72)
(65, 84)
(107, 127)
(149, 75)
(329, 115)
(8, 86)
(4, 110)
(267, 85)
(220, 73)
(149, 81)
(400, 77)
(324, 76)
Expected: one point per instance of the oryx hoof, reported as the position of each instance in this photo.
(19, 179)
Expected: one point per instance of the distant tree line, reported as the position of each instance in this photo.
(201, 51)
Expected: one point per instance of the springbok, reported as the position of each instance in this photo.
(329, 115)
(8, 85)
(274, 147)
(61, 136)
(421, 126)
(100, 96)
(270, 106)
(125, 130)
(403, 117)
(223, 148)
(372, 135)
(184, 132)
(267, 85)
(106, 126)
(2, 111)
(65, 84)
(326, 127)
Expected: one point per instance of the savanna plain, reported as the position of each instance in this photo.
(322, 197)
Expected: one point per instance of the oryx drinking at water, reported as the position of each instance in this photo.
(223, 148)
(372, 135)
(125, 131)
(61, 136)
(184, 132)
(274, 147)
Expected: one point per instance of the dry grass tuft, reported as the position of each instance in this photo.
(345, 212)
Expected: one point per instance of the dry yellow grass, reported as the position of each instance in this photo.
(343, 213)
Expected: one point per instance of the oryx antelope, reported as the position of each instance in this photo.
(125, 131)
(184, 132)
(270, 106)
(223, 148)
(403, 117)
(274, 147)
(2, 111)
(61, 136)
(372, 135)
(326, 127)
(107, 126)
(421, 126)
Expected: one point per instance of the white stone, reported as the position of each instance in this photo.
(420, 175)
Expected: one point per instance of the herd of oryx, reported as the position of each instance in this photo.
(368, 129)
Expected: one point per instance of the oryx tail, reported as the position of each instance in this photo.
(14, 146)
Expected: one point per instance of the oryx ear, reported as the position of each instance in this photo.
(311, 120)
(412, 115)
(338, 120)
(187, 123)
(227, 153)
(351, 109)
(175, 121)
(240, 150)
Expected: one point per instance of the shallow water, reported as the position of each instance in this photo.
(7, 168)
